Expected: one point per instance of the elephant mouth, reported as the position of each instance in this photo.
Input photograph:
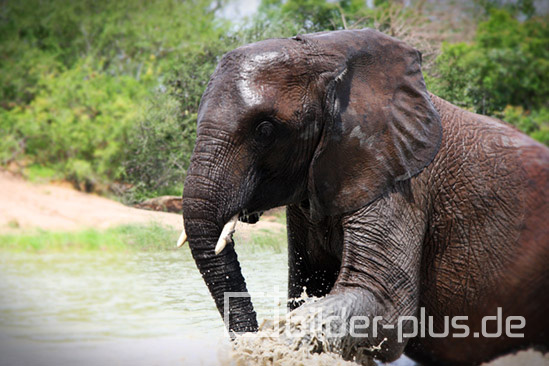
(228, 229)
(249, 217)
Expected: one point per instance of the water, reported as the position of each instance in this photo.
(95, 308)
(141, 308)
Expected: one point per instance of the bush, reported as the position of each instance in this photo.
(105, 94)
(161, 142)
(506, 65)
(77, 123)
(535, 123)
(158, 152)
(76, 78)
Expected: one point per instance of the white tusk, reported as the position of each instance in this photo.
(226, 233)
(182, 239)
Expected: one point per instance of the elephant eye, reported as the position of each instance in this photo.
(264, 131)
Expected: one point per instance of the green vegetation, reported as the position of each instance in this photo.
(88, 89)
(104, 94)
(280, 216)
(267, 240)
(122, 238)
(151, 237)
(504, 72)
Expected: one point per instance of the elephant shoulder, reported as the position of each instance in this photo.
(475, 130)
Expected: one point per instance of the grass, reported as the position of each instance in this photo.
(151, 237)
(39, 173)
(280, 216)
(265, 239)
(121, 238)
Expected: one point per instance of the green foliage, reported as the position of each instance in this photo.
(519, 7)
(534, 123)
(80, 81)
(157, 157)
(312, 15)
(105, 94)
(506, 65)
(77, 122)
(121, 37)
(161, 141)
(278, 18)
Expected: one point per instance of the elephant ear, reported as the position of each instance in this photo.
(380, 124)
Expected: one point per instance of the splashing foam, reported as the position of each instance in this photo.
(276, 344)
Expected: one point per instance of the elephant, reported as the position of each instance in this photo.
(398, 203)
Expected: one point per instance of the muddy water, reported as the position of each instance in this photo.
(124, 308)
(137, 309)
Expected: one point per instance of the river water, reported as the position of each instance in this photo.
(131, 308)
(138, 308)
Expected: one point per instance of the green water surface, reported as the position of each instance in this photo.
(120, 308)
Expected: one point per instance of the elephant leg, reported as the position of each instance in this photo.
(311, 269)
(378, 283)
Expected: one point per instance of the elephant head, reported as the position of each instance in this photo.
(332, 120)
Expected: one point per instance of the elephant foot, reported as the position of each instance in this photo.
(318, 330)
(290, 341)
(326, 325)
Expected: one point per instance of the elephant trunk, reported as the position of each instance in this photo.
(205, 214)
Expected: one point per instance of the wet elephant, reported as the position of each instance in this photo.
(398, 202)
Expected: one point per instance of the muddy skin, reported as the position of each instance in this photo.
(396, 200)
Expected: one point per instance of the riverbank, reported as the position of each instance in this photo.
(55, 216)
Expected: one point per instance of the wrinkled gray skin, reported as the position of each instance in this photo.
(396, 199)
